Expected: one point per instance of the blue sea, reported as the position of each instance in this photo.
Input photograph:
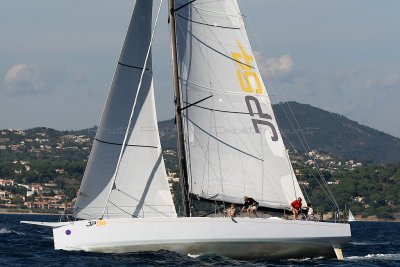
(372, 244)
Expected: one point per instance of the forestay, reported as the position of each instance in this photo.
(233, 145)
(141, 187)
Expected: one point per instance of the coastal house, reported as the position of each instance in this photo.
(37, 205)
(359, 199)
(60, 197)
(14, 147)
(29, 193)
(304, 183)
(59, 170)
(169, 152)
(9, 206)
(5, 182)
(4, 194)
(43, 140)
(37, 188)
(337, 181)
(50, 200)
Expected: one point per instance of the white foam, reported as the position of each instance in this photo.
(194, 255)
(393, 257)
(4, 230)
(307, 259)
(369, 243)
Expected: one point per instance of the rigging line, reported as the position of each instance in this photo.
(217, 39)
(201, 100)
(223, 142)
(311, 171)
(188, 165)
(213, 118)
(211, 89)
(182, 6)
(211, 25)
(144, 204)
(118, 144)
(122, 209)
(76, 211)
(279, 86)
(306, 195)
(132, 110)
(131, 66)
(213, 49)
(180, 28)
(206, 155)
(291, 172)
(324, 185)
(218, 52)
(223, 111)
(306, 148)
(308, 168)
(216, 12)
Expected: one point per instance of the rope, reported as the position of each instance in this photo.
(132, 111)
(305, 145)
(144, 204)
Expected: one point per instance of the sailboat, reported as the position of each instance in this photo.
(230, 146)
(351, 217)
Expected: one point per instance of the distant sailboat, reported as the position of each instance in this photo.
(229, 146)
(351, 217)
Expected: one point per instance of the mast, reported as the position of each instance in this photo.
(178, 110)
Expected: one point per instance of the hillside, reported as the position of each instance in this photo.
(331, 132)
(324, 131)
(55, 161)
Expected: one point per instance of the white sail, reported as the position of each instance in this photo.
(141, 187)
(233, 145)
(351, 217)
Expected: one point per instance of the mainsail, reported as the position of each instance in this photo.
(141, 188)
(232, 141)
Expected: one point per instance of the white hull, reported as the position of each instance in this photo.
(247, 238)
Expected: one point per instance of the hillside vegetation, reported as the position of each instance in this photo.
(331, 132)
(324, 131)
(58, 158)
(369, 190)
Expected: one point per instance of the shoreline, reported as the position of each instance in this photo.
(5, 211)
(358, 217)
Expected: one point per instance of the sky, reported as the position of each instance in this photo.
(57, 58)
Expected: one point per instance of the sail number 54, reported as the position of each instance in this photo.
(243, 60)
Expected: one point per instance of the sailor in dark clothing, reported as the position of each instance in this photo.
(251, 205)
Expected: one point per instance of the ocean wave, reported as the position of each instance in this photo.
(4, 230)
(392, 257)
(307, 259)
(195, 255)
(369, 243)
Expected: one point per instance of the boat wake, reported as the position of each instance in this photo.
(4, 230)
(195, 255)
(391, 257)
(306, 259)
(369, 243)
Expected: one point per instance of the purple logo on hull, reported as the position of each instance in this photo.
(68, 232)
